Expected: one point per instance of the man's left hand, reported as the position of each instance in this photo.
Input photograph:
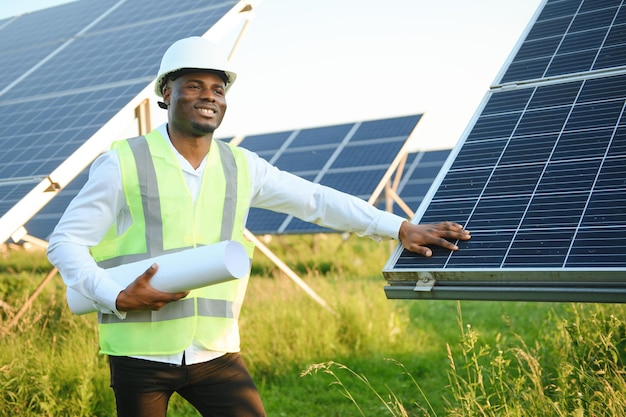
(416, 237)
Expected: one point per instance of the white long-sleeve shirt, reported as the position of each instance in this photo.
(102, 203)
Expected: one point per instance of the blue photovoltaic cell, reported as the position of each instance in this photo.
(370, 154)
(385, 128)
(302, 161)
(352, 158)
(264, 221)
(359, 183)
(67, 70)
(539, 179)
(327, 135)
(268, 144)
(30, 38)
(571, 36)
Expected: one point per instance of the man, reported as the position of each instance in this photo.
(178, 188)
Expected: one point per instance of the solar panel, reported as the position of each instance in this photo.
(350, 157)
(571, 37)
(67, 71)
(539, 176)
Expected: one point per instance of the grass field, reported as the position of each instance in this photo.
(368, 357)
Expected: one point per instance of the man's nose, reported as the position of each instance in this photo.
(207, 94)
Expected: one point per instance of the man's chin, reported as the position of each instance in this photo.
(204, 128)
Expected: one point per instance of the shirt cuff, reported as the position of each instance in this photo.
(388, 226)
(106, 292)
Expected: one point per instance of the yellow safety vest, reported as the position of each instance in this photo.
(165, 220)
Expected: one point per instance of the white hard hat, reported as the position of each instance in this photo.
(193, 53)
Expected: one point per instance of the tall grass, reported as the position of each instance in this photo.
(575, 369)
(48, 361)
(368, 357)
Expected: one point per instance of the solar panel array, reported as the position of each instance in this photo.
(350, 157)
(540, 177)
(67, 70)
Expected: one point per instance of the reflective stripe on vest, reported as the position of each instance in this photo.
(179, 310)
(149, 187)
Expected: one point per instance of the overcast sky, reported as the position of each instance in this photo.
(315, 63)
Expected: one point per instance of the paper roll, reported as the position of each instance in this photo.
(180, 271)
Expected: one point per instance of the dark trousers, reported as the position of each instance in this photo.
(222, 387)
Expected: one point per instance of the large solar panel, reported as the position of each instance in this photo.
(539, 176)
(350, 157)
(67, 71)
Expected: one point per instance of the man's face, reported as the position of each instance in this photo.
(197, 103)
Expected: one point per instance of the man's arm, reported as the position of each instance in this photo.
(281, 191)
(84, 223)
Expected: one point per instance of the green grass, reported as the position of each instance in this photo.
(369, 357)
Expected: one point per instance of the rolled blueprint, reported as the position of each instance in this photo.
(180, 271)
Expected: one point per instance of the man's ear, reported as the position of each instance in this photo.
(166, 94)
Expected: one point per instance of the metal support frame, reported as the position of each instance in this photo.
(390, 181)
(551, 292)
(288, 271)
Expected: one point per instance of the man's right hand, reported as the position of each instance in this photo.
(140, 295)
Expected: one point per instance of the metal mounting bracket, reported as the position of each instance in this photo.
(425, 283)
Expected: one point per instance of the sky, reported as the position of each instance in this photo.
(304, 63)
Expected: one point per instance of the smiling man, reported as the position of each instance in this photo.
(178, 188)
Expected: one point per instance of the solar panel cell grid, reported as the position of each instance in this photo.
(266, 144)
(328, 135)
(312, 161)
(557, 8)
(434, 158)
(414, 191)
(264, 221)
(607, 252)
(567, 39)
(40, 225)
(297, 226)
(529, 149)
(556, 95)
(369, 154)
(12, 192)
(42, 28)
(606, 209)
(386, 128)
(358, 183)
(540, 199)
